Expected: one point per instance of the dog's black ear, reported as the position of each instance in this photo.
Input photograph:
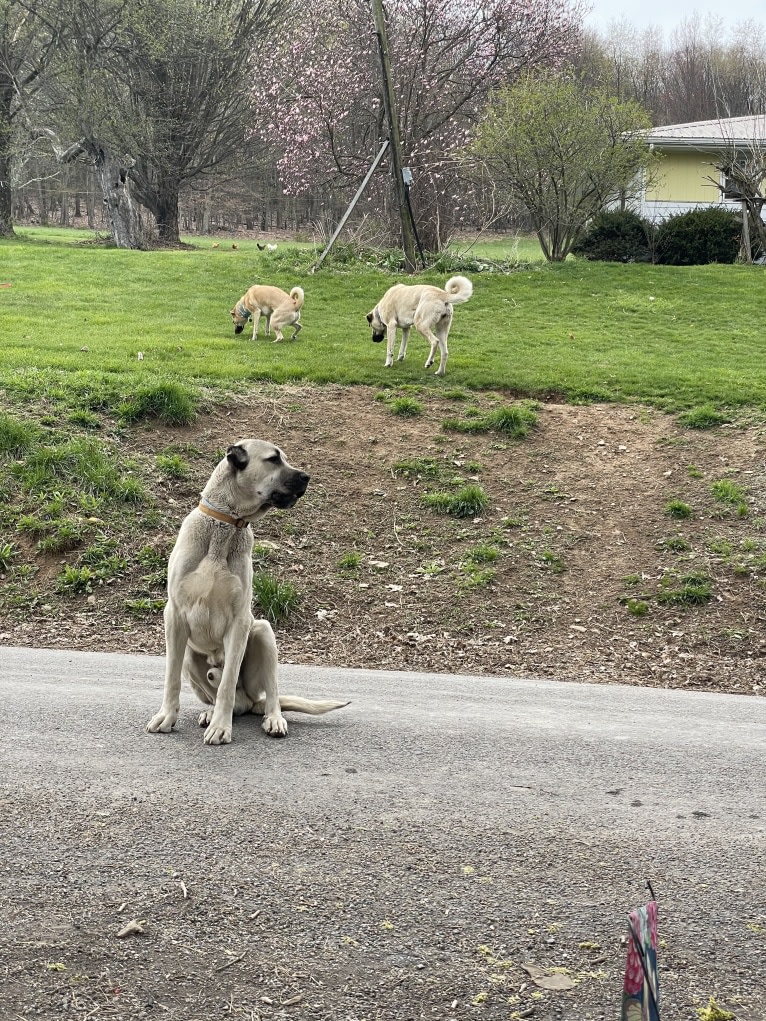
(237, 457)
(369, 318)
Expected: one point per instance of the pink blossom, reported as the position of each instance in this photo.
(322, 87)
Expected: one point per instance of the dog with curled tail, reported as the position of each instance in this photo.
(427, 308)
(278, 308)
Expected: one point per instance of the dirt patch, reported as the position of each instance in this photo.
(575, 570)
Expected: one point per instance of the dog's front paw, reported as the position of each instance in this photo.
(163, 722)
(275, 726)
(205, 717)
(217, 734)
(389, 363)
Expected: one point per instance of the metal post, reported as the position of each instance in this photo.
(350, 209)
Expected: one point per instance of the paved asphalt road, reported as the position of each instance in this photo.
(380, 861)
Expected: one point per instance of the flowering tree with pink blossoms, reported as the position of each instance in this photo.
(320, 99)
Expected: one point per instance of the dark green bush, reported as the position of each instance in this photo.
(615, 237)
(698, 237)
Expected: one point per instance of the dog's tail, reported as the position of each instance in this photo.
(460, 289)
(316, 707)
(294, 704)
(298, 297)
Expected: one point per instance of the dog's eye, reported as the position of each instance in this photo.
(275, 459)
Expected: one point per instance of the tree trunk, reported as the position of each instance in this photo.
(746, 251)
(205, 212)
(165, 209)
(6, 217)
(6, 134)
(122, 213)
(90, 200)
(64, 199)
(42, 204)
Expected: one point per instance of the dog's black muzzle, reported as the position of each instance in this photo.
(377, 336)
(239, 327)
(294, 489)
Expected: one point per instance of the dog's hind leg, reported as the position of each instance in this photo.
(434, 342)
(278, 321)
(204, 680)
(242, 703)
(442, 331)
(438, 339)
(267, 316)
(259, 677)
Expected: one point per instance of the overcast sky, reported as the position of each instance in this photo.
(667, 14)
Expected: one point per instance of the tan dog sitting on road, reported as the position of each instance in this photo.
(427, 308)
(279, 309)
(211, 636)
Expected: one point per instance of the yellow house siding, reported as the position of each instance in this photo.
(681, 176)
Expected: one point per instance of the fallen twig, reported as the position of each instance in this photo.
(227, 964)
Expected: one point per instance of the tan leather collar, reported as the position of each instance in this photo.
(220, 516)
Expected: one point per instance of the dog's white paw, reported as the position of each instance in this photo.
(389, 363)
(275, 726)
(205, 717)
(217, 734)
(163, 722)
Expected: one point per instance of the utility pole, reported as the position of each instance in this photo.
(408, 232)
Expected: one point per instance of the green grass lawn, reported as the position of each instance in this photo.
(513, 248)
(74, 317)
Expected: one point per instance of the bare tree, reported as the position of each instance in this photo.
(743, 165)
(705, 70)
(153, 96)
(187, 78)
(75, 38)
(28, 44)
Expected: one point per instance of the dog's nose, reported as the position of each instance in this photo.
(303, 481)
